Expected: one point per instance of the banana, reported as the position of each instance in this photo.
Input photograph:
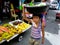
(11, 33)
(13, 30)
(0, 38)
(5, 35)
(6, 25)
(8, 37)
(20, 31)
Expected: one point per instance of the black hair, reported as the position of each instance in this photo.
(39, 15)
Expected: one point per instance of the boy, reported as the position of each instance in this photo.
(37, 27)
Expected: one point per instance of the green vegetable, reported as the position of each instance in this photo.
(20, 7)
(31, 4)
(42, 4)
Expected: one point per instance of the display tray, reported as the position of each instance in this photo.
(11, 23)
(36, 9)
(2, 41)
(18, 34)
(13, 37)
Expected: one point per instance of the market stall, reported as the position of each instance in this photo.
(12, 29)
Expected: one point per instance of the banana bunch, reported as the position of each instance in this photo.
(12, 29)
(6, 35)
(19, 31)
(20, 26)
(0, 38)
(11, 33)
(6, 25)
(1, 32)
(23, 26)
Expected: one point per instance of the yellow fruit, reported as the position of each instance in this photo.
(26, 25)
(8, 37)
(22, 26)
(11, 33)
(5, 35)
(13, 30)
(6, 25)
(0, 38)
(20, 31)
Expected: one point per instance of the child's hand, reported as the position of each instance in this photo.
(43, 24)
(42, 41)
(42, 36)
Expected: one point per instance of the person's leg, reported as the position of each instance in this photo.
(37, 42)
(31, 41)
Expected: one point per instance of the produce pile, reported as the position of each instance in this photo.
(7, 30)
(31, 4)
(5, 33)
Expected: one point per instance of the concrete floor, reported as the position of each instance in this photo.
(52, 33)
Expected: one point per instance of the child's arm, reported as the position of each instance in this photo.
(42, 33)
(24, 16)
(27, 19)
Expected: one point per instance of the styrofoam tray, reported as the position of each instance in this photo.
(11, 23)
(13, 37)
(18, 34)
(2, 41)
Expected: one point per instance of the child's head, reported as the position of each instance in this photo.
(36, 18)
